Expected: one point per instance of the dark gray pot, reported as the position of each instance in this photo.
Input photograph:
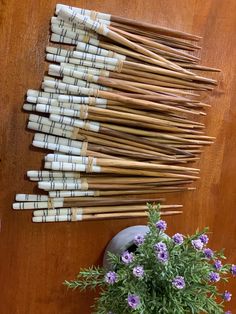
(122, 241)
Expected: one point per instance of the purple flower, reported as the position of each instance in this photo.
(217, 264)
(228, 312)
(138, 271)
(208, 253)
(227, 296)
(160, 247)
(214, 277)
(178, 282)
(162, 256)
(178, 238)
(161, 225)
(233, 270)
(111, 277)
(133, 301)
(204, 238)
(127, 257)
(138, 239)
(197, 244)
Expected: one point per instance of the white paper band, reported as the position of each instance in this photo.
(58, 148)
(54, 185)
(85, 47)
(82, 55)
(92, 126)
(57, 140)
(46, 121)
(82, 100)
(71, 193)
(41, 174)
(70, 159)
(73, 17)
(31, 198)
(99, 15)
(36, 205)
(64, 166)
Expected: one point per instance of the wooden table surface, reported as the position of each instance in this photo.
(36, 258)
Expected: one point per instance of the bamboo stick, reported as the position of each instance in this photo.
(127, 215)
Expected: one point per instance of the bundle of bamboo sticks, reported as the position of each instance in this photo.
(118, 109)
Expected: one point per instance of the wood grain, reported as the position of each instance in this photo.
(36, 258)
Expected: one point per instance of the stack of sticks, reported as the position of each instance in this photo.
(118, 109)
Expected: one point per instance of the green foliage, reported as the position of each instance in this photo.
(155, 289)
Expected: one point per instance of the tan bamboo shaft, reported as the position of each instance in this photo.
(166, 40)
(171, 56)
(201, 137)
(132, 54)
(119, 143)
(146, 133)
(100, 154)
(135, 192)
(114, 84)
(147, 173)
(120, 208)
(155, 115)
(169, 40)
(176, 83)
(199, 67)
(155, 70)
(157, 154)
(138, 117)
(142, 165)
(155, 28)
(138, 141)
(174, 49)
(175, 45)
(129, 215)
(125, 153)
(146, 41)
(142, 88)
(138, 103)
(134, 142)
(144, 125)
(156, 88)
(186, 146)
(157, 97)
(108, 202)
(180, 139)
(149, 75)
(168, 100)
(128, 53)
(189, 159)
(178, 46)
(159, 106)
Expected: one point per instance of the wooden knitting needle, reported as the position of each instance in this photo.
(126, 215)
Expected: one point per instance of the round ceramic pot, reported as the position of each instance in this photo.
(122, 242)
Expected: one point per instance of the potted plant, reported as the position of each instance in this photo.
(160, 274)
